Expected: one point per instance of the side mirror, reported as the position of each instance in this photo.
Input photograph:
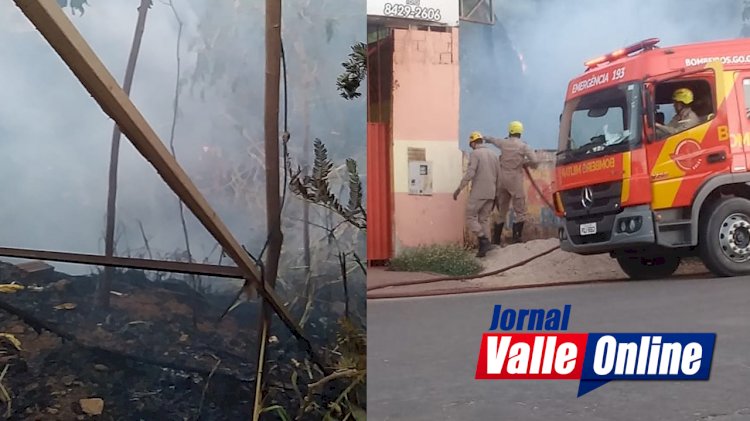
(597, 112)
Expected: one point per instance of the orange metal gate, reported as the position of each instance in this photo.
(379, 193)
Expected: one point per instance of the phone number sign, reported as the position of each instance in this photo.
(442, 12)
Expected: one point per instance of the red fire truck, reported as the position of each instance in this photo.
(648, 197)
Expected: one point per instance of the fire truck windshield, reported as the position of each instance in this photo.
(600, 123)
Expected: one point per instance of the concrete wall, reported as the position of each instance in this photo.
(425, 116)
(434, 108)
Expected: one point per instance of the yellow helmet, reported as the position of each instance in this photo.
(515, 127)
(474, 136)
(683, 95)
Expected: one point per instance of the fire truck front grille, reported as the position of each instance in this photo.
(598, 203)
(600, 199)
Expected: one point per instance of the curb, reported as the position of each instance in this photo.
(465, 290)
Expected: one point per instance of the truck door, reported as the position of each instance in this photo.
(679, 162)
(740, 133)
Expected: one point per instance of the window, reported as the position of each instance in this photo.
(702, 105)
(479, 11)
(608, 124)
(746, 91)
(600, 123)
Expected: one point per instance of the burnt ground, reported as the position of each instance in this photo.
(148, 357)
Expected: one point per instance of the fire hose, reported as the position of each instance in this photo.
(536, 187)
(465, 277)
(493, 288)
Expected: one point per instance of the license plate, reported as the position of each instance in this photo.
(588, 229)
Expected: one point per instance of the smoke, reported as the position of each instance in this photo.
(554, 38)
(54, 154)
(55, 148)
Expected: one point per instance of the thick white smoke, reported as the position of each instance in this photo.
(555, 37)
(55, 140)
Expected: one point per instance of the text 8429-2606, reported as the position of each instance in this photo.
(412, 12)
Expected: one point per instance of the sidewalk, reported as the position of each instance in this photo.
(556, 268)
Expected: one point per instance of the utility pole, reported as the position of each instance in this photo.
(273, 196)
(102, 296)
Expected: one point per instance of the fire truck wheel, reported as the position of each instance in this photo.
(640, 267)
(725, 237)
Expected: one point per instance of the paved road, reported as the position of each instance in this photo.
(422, 354)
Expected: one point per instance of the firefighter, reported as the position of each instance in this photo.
(684, 117)
(515, 155)
(483, 175)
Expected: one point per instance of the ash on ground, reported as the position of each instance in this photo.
(157, 353)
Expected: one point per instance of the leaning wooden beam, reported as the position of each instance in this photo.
(125, 262)
(58, 30)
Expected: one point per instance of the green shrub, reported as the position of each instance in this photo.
(452, 260)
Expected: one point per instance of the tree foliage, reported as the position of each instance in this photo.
(75, 5)
(316, 188)
(355, 71)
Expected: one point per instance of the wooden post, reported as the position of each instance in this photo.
(271, 115)
(105, 284)
(273, 196)
(306, 171)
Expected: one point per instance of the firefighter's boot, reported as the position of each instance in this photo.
(497, 234)
(484, 246)
(517, 232)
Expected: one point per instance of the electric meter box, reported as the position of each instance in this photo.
(420, 178)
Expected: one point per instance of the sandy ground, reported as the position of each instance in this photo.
(556, 267)
(500, 257)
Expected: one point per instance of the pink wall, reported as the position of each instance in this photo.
(425, 85)
(425, 110)
(422, 220)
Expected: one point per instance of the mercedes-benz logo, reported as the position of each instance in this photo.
(587, 197)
